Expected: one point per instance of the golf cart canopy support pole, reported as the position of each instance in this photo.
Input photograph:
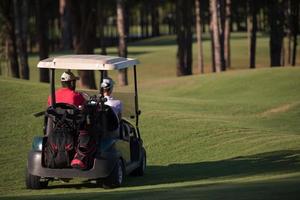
(52, 82)
(137, 111)
(101, 90)
(102, 74)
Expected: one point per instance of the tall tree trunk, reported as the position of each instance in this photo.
(276, 20)
(6, 13)
(184, 37)
(155, 18)
(12, 55)
(295, 22)
(221, 25)
(227, 33)
(289, 48)
(199, 36)
(216, 35)
(288, 15)
(122, 74)
(65, 21)
(102, 17)
(84, 22)
(283, 53)
(21, 29)
(127, 18)
(42, 22)
(213, 64)
(252, 29)
(144, 21)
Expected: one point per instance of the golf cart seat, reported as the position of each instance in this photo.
(108, 122)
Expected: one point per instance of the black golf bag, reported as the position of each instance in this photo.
(62, 138)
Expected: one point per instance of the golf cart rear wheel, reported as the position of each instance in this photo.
(142, 167)
(116, 178)
(34, 182)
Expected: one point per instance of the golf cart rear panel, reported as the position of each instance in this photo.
(101, 169)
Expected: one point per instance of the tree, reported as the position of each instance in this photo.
(101, 24)
(276, 21)
(21, 29)
(295, 27)
(42, 20)
(184, 37)
(214, 23)
(122, 74)
(222, 18)
(84, 23)
(199, 36)
(154, 18)
(144, 19)
(252, 29)
(213, 58)
(65, 21)
(6, 13)
(288, 27)
(227, 33)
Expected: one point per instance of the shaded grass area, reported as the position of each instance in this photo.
(205, 136)
(286, 188)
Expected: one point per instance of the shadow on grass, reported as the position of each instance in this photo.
(271, 190)
(169, 40)
(160, 41)
(272, 162)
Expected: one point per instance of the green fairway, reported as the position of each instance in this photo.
(217, 136)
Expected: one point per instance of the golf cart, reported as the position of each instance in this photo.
(119, 148)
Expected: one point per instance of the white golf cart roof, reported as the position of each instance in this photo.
(87, 62)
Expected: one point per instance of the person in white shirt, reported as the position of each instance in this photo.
(107, 85)
(80, 160)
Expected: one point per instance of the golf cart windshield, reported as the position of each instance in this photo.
(127, 99)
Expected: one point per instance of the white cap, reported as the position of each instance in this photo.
(68, 76)
(107, 83)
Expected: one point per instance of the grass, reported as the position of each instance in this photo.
(223, 137)
(214, 136)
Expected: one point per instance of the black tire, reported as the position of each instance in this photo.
(116, 178)
(140, 171)
(34, 182)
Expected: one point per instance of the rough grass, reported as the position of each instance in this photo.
(205, 135)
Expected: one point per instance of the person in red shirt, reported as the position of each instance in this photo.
(67, 93)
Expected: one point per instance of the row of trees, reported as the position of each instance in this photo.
(83, 25)
(279, 18)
